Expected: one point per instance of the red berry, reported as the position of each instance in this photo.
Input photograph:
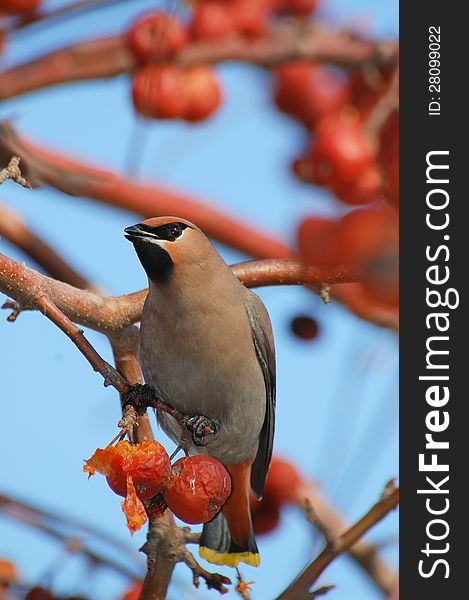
(342, 146)
(213, 20)
(309, 91)
(343, 159)
(250, 16)
(202, 91)
(305, 327)
(317, 241)
(265, 516)
(197, 489)
(157, 36)
(365, 233)
(282, 482)
(159, 92)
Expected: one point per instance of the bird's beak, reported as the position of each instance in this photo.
(134, 232)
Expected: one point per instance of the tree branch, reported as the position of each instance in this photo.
(78, 179)
(298, 590)
(330, 523)
(108, 57)
(17, 232)
(51, 525)
(112, 314)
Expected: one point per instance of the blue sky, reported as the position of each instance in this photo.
(337, 397)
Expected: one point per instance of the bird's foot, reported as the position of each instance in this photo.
(140, 397)
(200, 427)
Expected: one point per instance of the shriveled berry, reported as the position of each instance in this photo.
(304, 327)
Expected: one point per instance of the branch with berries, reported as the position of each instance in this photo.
(113, 56)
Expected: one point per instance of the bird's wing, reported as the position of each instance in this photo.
(264, 345)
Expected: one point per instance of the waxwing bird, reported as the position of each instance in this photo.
(206, 348)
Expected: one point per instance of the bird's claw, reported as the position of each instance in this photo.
(199, 427)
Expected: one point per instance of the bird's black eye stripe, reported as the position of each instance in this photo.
(170, 231)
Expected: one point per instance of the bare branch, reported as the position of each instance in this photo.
(59, 528)
(17, 232)
(164, 548)
(298, 590)
(331, 524)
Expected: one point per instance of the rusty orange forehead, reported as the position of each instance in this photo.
(158, 221)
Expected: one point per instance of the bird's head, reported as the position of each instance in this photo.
(163, 243)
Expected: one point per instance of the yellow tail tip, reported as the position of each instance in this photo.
(229, 559)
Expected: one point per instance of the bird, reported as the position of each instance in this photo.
(206, 348)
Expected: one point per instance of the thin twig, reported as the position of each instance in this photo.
(12, 171)
(330, 523)
(385, 105)
(298, 590)
(71, 541)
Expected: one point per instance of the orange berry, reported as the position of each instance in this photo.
(146, 464)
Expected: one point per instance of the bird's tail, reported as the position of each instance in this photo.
(228, 539)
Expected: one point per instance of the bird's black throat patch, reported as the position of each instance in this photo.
(155, 260)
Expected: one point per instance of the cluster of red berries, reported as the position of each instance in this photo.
(282, 487)
(334, 106)
(366, 239)
(194, 488)
(164, 90)
(215, 20)
(359, 166)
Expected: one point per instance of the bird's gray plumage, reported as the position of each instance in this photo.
(206, 347)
